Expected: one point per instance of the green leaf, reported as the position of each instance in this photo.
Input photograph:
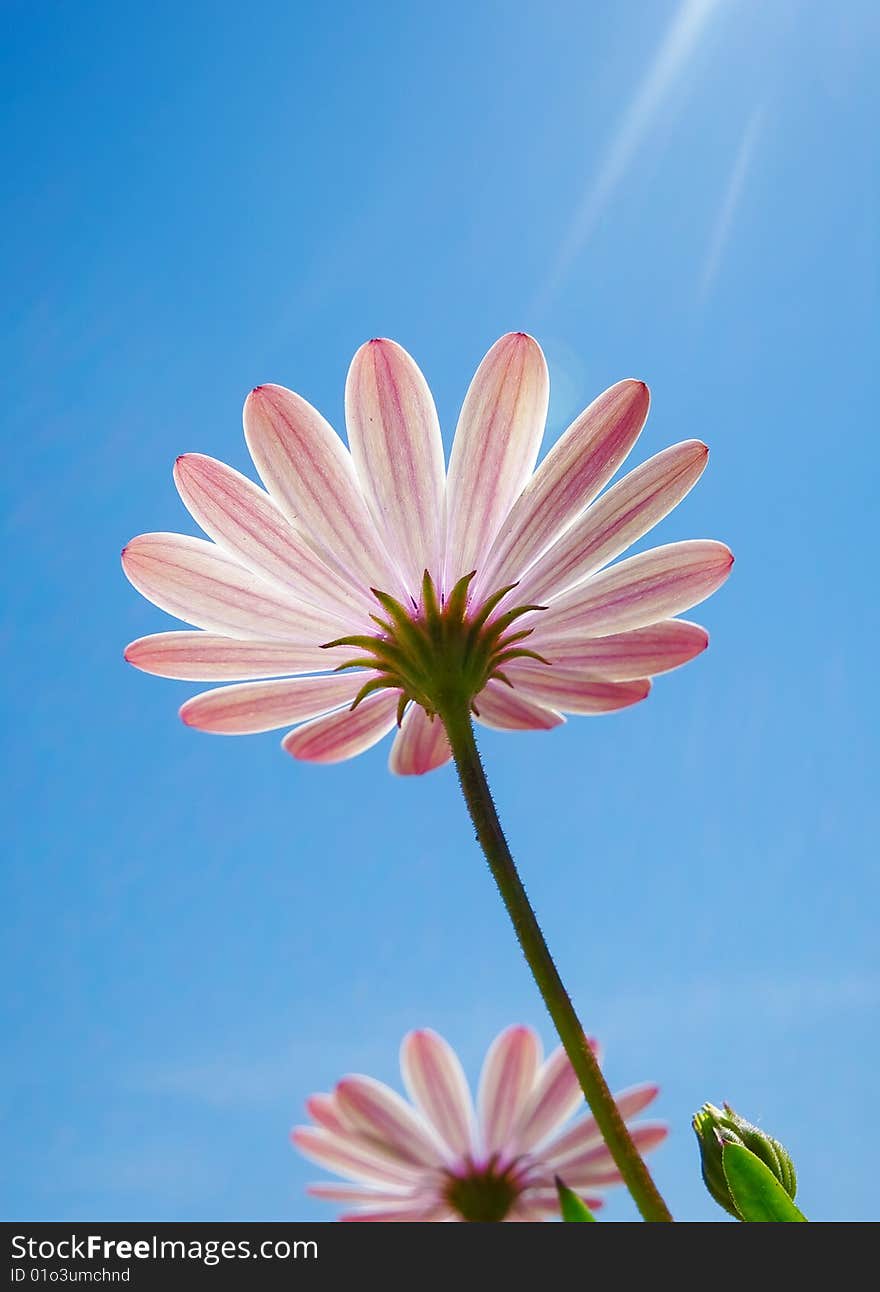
(571, 1206)
(757, 1193)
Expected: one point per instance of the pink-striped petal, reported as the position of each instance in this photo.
(571, 692)
(585, 1133)
(247, 524)
(546, 1200)
(397, 451)
(500, 706)
(264, 706)
(496, 444)
(557, 1095)
(509, 1073)
(420, 746)
(581, 462)
(530, 1210)
(436, 1083)
(594, 1167)
(350, 1157)
(346, 734)
(361, 1194)
(309, 472)
(641, 590)
(206, 657)
(324, 1109)
(378, 1112)
(196, 582)
(617, 520)
(419, 1210)
(623, 657)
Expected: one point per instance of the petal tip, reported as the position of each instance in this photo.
(638, 387)
(418, 1037)
(183, 468)
(524, 341)
(257, 397)
(520, 1032)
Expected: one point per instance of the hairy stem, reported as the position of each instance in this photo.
(478, 797)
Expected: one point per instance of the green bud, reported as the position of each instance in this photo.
(715, 1127)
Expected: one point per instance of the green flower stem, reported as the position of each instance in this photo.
(478, 797)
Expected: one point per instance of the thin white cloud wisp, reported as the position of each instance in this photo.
(676, 49)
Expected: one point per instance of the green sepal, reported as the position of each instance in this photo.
(755, 1190)
(387, 628)
(506, 656)
(375, 684)
(488, 606)
(397, 611)
(456, 604)
(361, 640)
(401, 707)
(355, 663)
(430, 604)
(571, 1206)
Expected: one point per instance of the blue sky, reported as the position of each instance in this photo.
(201, 932)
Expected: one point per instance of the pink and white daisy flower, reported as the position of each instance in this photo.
(377, 561)
(439, 1158)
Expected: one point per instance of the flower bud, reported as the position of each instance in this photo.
(715, 1127)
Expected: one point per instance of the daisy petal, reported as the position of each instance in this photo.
(585, 1134)
(571, 692)
(496, 443)
(639, 591)
(501, 707)
(413, 1211)
(620, 517)
(509, 1072)
(380, 1113)
(309, 472)
(547, 1200)
(206, 657)
(358, 1193)
(196, 582)
(635, 1099)
(373, 1165)
(397, 451)
(556, 1097)
(247, 524)
(344, 735)
(420, 745)
(324, 1110)
(436, 1083)
(263, 706)
(581, 462)
(595, 1167)
(531, 1209)
(623, 657)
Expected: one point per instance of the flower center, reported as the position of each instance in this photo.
(483, 1195)
(441, 653)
